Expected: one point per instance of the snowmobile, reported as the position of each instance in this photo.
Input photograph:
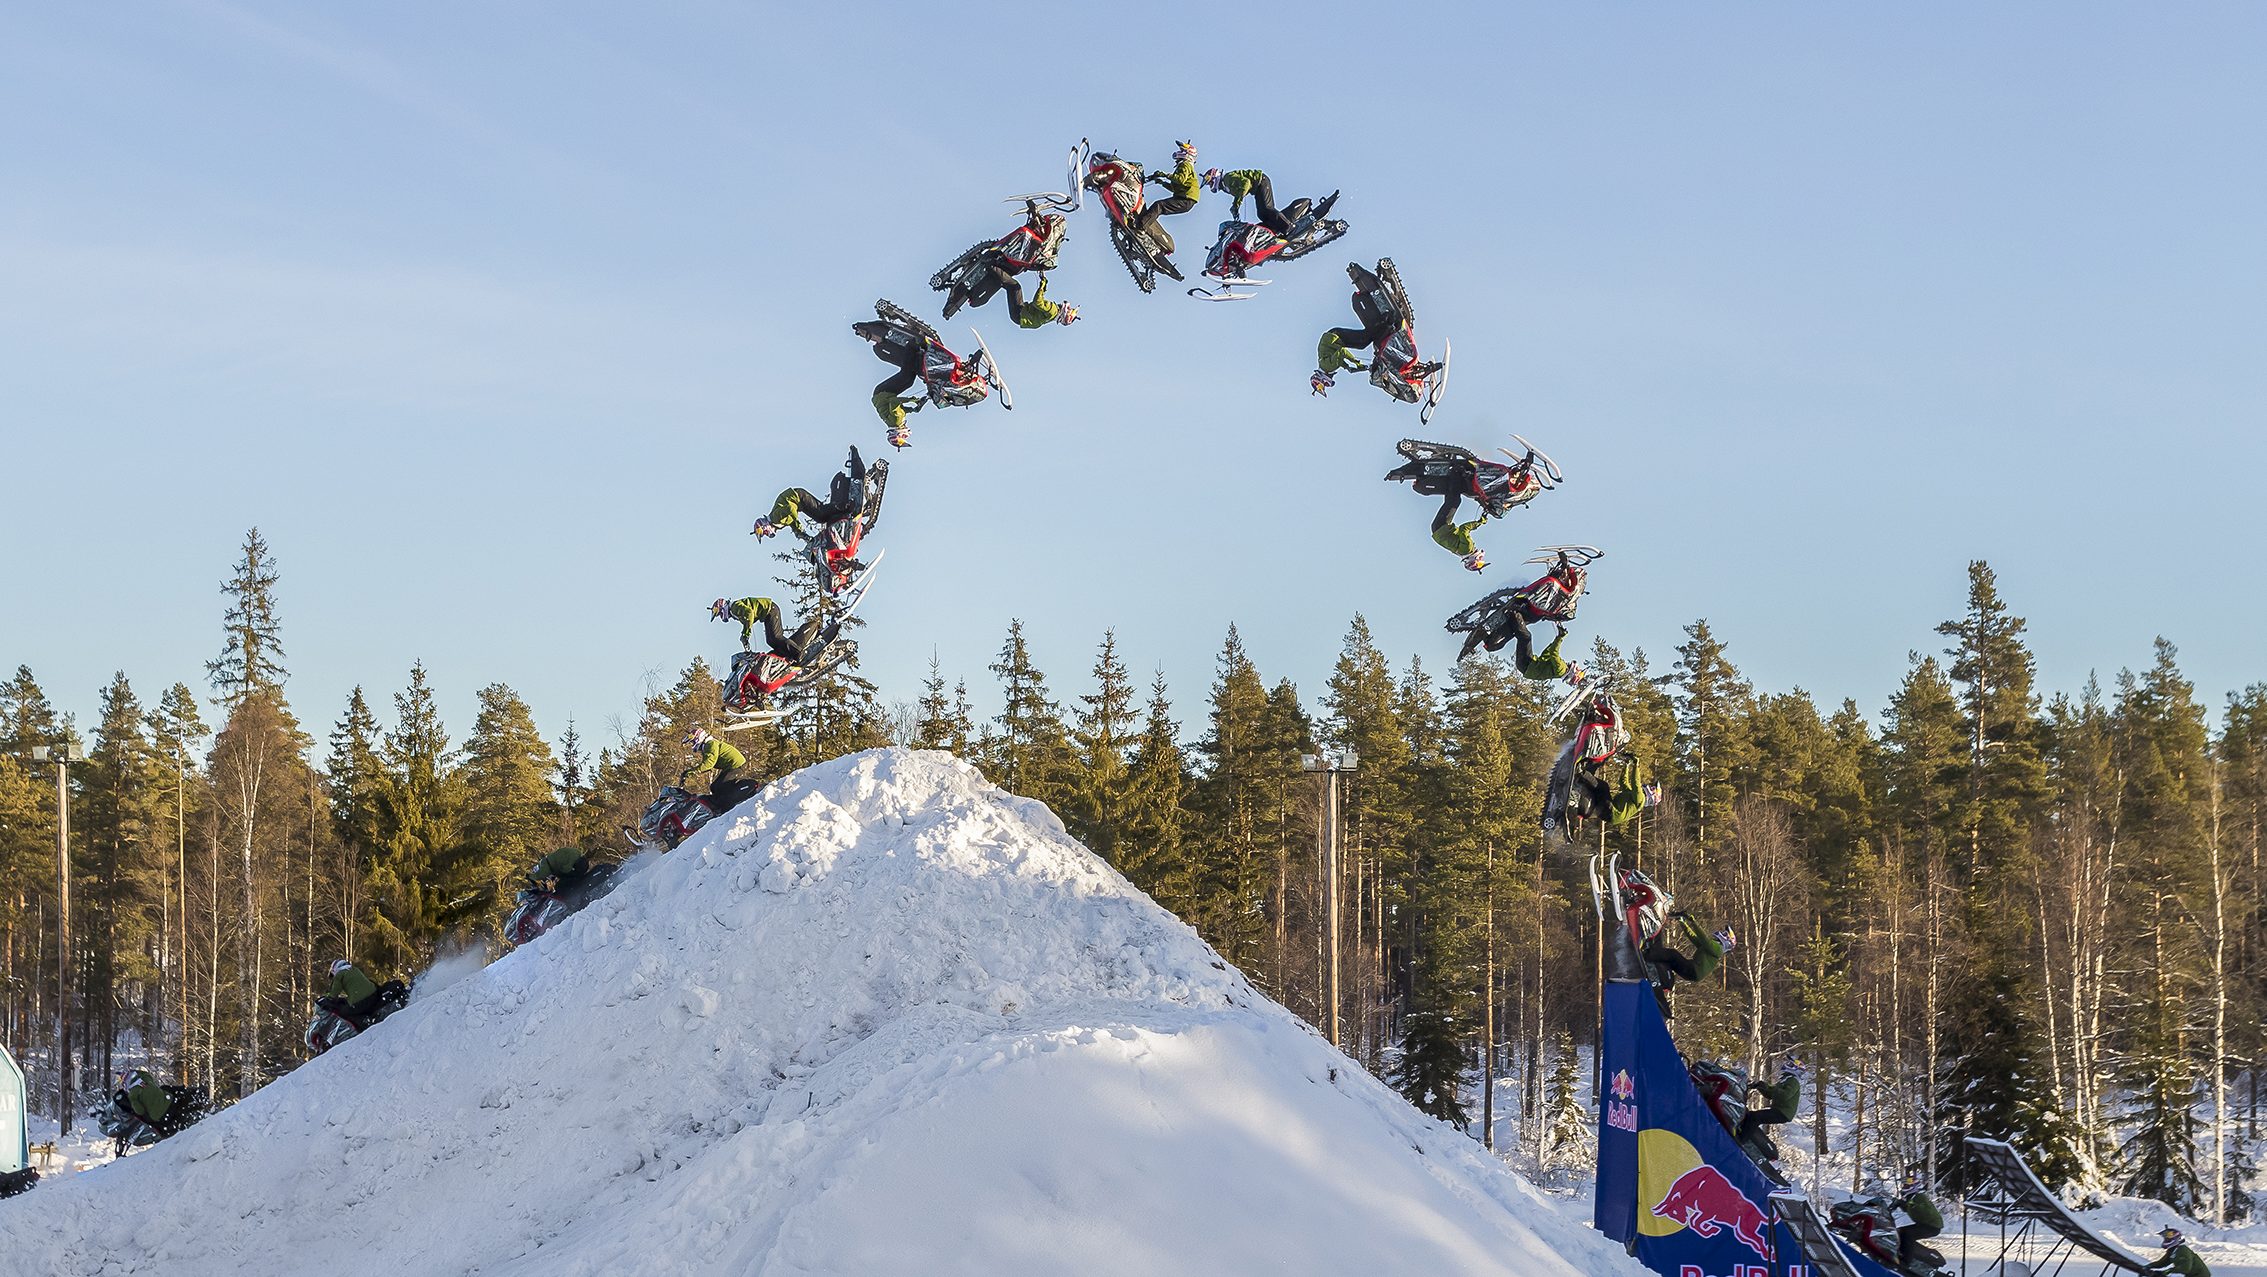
(1395, 367)
(18, 1181)
(1498, 486)
(1599, 738)
(1630, 901)
(1551, 597)
(948, 380)
(834, 551)
(678, 813)
(1871, 1226)
(128, 1129)
(335, 1023)
(1243, 245)
(1723, 1087)
(758, 677)
(1118, 181)
(540, 908)
(968, 280)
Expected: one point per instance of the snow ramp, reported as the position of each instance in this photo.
(883, 1018)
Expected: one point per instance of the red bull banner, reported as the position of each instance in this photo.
(1669, 1176)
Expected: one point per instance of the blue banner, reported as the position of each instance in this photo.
(1669, 1175)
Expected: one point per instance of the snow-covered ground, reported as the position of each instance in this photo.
(884, 1018)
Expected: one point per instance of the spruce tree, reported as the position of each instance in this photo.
(1229, 802)
(419, 805)
(1711, 748)
(1095, 808)
(510, 813)
(1031, 753)
(1570, 1132)
(252, 659)
(1151, 853)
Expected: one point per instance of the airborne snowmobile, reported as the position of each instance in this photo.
(335, 1022)
(540, 908)
(1501, 616)
(759, 677)
(1871, 1225)
(1389, 331)
(947, 380)
(976, 276)
(834, 551)
(1723, 1087)
(1118, 182)
(1445, 469)
(1243, 245)
(1578, 791)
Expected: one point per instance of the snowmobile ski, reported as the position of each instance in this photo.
(1226, 292)
(1576, 696)
(992, 373)
(1439, 384)
(1063, 201)
(1545, 468)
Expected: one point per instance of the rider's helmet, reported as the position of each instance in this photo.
(339, 965)
(2172, 1237)
(1792, 1067)
(1726, 939)
(698, 736)
(1067, 315)
(718, 609)
(1477, 561)
(1320, 382)
(764, 528)
(1211, 179)
(900, 436)
(1184, 152)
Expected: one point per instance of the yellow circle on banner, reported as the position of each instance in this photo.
(1662, 1159)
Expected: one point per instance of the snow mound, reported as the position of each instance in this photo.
(882, 1018)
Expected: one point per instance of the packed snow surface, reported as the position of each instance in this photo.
(884, 1018)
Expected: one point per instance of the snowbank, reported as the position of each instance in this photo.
(883, 1018)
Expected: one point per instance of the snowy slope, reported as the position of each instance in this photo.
(884, 1018)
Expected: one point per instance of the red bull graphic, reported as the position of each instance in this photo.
(1621, 1112)
(1706, 1202)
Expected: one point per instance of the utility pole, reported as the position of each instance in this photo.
(62, 756)
(1328, 765)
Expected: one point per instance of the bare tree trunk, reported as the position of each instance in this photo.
(2220, 887)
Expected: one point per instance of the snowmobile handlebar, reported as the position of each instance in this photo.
(1579, 555)
(1546, 469)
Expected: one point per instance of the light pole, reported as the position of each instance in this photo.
(62, 756)
(1328, 765)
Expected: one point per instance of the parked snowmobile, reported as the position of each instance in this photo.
(541, 908)
(1871, 1226)
(1723, 1087)
(18, 1181)
(1034, 246)
(1243, 245)
(1551, 597)
(128, 1129)
(334, 1024)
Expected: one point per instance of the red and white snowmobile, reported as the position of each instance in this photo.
(1395, 366)
(1599, 737)
(1551, 597)
(1243, 245)
(334, 1022)
(1500, 487)
(834, 551)
(541, 908)
(1033, 246)
(1117, 182)
(758, 679)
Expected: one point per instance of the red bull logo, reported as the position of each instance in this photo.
(1621, 1111)
(1703, 1200)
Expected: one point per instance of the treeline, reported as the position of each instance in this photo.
(1986, 910)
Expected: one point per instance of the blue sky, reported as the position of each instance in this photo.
(504, 321)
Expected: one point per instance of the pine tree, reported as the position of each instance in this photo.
(1150, 853)
(175, 728)
(117, 866)
(935, 725)
(574, 788)
(1571, 1130)
(1031, 753)
(1095, 808)
(1710, 748)
(510, 813)
(1229, 802)
(253, 657)
(419, 804)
